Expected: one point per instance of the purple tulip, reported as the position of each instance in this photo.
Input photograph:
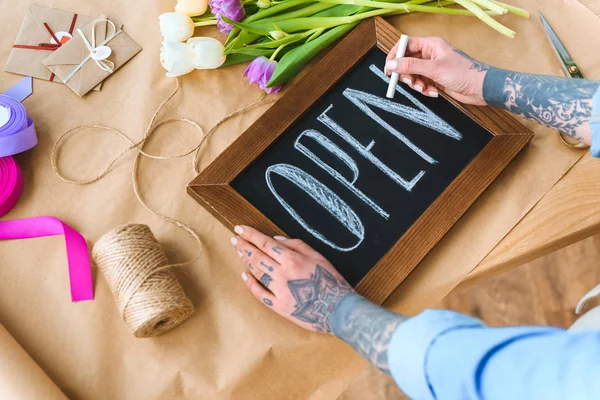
(259, 71)
(231, 9)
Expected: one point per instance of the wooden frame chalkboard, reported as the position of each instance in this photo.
(213, 187)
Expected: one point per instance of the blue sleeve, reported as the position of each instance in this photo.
(446, 355)
(595, 124)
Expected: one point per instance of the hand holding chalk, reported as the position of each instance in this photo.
(394, 78)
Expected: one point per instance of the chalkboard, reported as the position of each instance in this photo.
(426, 159)
(359, 177)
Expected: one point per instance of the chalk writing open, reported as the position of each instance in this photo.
(324, 196)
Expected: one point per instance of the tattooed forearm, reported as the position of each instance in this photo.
(476, 65)
(563, 104)
(317, 297)
(366, 327)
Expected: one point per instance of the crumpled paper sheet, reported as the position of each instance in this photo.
(232, 347)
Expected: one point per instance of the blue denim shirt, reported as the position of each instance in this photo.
(446, 355)
(595, 124)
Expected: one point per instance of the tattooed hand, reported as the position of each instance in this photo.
(290, 277)
(562, 104)
(431, 63)
(299, 284)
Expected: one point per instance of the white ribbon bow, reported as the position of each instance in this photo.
(104, 65)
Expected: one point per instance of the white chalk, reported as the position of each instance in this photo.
(394, 78)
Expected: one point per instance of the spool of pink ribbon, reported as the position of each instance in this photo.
(17, 134)
(11, 184)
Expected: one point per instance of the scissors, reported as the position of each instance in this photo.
(568, 64)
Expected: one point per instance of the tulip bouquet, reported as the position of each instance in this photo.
(279, 37)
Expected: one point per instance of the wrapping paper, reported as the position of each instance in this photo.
(232, 347)
(22, 378)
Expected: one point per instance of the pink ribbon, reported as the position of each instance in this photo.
(78, 258)
(11, 184)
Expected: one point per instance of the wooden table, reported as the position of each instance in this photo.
(569, 212)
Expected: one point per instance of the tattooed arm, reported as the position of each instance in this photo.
(434, 355)
(367, 328)
(300, 284)
(563, 104)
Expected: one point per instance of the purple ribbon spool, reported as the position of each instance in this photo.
(18, 134)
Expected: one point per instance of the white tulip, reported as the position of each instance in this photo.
(191, 7)
(208, 52)
(177, 58)
(176, 27)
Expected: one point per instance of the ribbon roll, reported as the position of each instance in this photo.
(78, 258)
(11, 184)
(17, 131)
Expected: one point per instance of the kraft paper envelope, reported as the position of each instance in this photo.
(26, 57)
(66, 59)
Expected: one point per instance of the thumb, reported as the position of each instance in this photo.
(411, 66)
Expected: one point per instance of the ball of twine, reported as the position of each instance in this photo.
(148, 295)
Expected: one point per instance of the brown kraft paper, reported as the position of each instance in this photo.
(20, 376)
(232, 347)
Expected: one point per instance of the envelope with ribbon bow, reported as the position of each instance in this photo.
(94, 53)
(44, 30)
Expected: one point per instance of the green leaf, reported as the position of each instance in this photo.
(340, 10)
(250, 51)
(245, 38)
(289, 26)
(292, 62)
(273, 44)
(232, 36)
(267, 12)
(233, 59)
(251, 9)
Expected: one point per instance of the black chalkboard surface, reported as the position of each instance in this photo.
(430, 158)
(372, 184)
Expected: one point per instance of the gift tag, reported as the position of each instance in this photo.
(101, 53)
(63, 37)
(4, 116)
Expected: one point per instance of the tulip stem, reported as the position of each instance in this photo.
(512, 9)
(479, 13)
(206, 23)
(301, 24)
(409, 7)
(277, 51)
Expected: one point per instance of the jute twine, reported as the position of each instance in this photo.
(139, 147)
(147, 293)
(131, 259)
